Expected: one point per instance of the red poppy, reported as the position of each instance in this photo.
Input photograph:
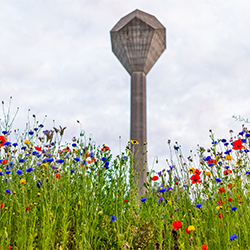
(105, 148)
(198, 172)
(58, 176)
(4, 162)
(10, 247)
(212, 161)
(220, 215)
(176, 183)
(226, 172)
(126, 200)
(239, 197)
(2, 140)
(195, 178)
(27, 208)
(204, 247)
(1, 205)
(155, 178)
(230, 199)
(222, 190)
(237, 145)
(177, 224)
(39, 149)
(220, 202)
(229, 185)
(187, 231)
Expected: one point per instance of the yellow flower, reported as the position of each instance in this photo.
(14, 192)
(6, 208)
(192, 170)
(218, 207)
(38, 194)
(228, 157)
(134, 142)
(100, 213)
(170, 202)
(207, 173)
(191, 228)
(217, 157)
(44, 165)
(240, 180)
(27, 142)
(22, 181)
(51, 214)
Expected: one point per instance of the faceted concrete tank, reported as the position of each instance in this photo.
(138, 40)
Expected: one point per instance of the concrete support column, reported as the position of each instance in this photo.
(138, 125)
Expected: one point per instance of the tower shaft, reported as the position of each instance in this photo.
(138, 125)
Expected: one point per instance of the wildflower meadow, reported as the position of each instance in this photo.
(79, 196)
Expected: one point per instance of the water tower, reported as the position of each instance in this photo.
(138, 40)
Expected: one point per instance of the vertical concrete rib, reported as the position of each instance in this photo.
(138, 125)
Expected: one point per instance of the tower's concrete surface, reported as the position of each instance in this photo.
(138, 40)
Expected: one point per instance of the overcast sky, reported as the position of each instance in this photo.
(56, 60)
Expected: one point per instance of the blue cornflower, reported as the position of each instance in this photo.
(41, 126)
(228, 151)
(217, 179)
(220, 163)
(5, 132)
(241, 133)
(8, 191)
(160, 199)
(29, 169)
(7, 143)
(91, 154)
(247, 135)
(60, 161)
(23, 148)
(35, 129)
(176, 148)
(74, 145)
(243, 140)
(1, 173)
(143, 199)
(199, 205)
(226, 144)
(162, 190)
(72, 171)
(246, 150)
(52, 144)
(113, 218)
(125, 157)
(15, 144)
(76, 159)
(214, 142)
(226, 167)
(106, 165)
(234, 208)
(39, 184)
(7, 172)
(83, 163)
(21, 160)
(31, 133)
(19, 171)
(248, 172)
(223, 140)
(208, 158)
(210, 164)
(34, 153)
(233, 237)
(103, 158)
(49, 159)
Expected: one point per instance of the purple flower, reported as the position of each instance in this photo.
(161, 199)
(178, 197)
(159, 173)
